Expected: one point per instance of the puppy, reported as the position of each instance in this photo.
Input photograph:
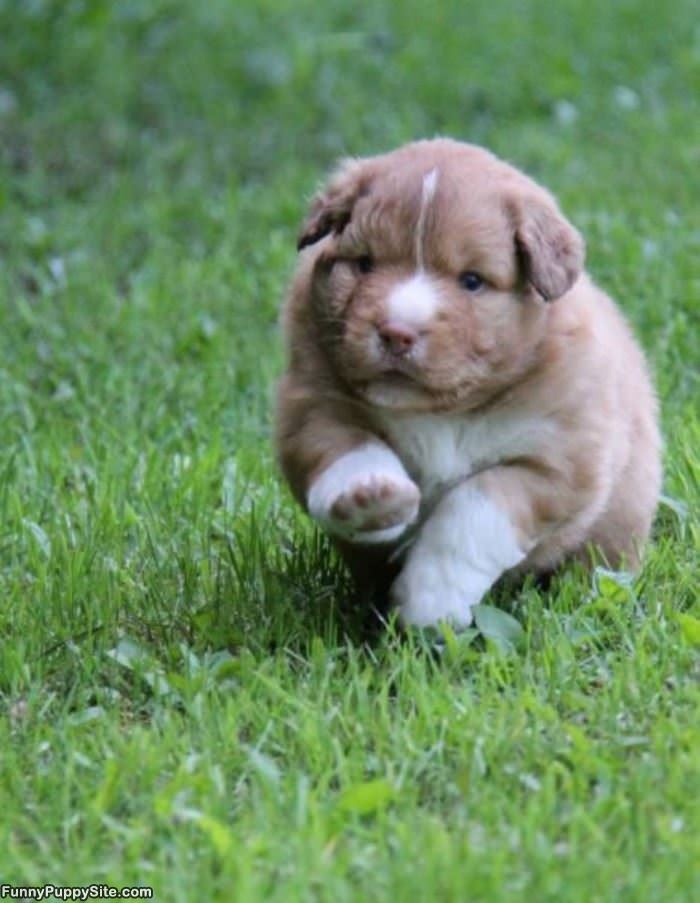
(460, 398)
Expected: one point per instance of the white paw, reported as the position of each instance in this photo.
(365, 506)
(375, 507)
(463, 548)
(425, 595)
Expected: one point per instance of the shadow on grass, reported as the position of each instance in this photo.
(281, 591)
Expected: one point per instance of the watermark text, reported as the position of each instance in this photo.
(86, 892)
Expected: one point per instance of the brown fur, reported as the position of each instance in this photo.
(573, 363)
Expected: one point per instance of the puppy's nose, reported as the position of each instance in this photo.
(397, 338)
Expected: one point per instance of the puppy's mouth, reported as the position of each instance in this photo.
(398, 378)
(397, 371)
(395, 388)
(405, 366)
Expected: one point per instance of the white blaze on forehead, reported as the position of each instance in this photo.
(427, 194)
(413, 302)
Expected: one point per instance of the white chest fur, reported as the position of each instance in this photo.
(439, 449)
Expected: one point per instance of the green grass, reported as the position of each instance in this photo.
(186, 701)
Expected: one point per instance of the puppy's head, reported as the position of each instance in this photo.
(433, 270)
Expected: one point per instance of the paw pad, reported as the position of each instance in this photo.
(375, 502)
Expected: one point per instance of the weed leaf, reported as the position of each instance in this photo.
(498, 626)
(367, 797)
(690, 628)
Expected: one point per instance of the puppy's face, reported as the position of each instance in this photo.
(434, 266)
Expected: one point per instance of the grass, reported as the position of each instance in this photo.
(186, 701)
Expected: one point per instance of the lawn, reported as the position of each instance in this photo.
(187, 700)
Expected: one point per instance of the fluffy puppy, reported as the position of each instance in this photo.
(460, 397)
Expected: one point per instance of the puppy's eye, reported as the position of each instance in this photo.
(471, 281)
(365, 264)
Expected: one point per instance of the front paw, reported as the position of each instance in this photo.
(375, 507)
(432, 590)
(371, 508)
(365, 496)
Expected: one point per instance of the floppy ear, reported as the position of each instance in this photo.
(331, 209)
(551, 251)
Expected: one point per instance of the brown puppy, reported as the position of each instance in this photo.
(457, 387)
